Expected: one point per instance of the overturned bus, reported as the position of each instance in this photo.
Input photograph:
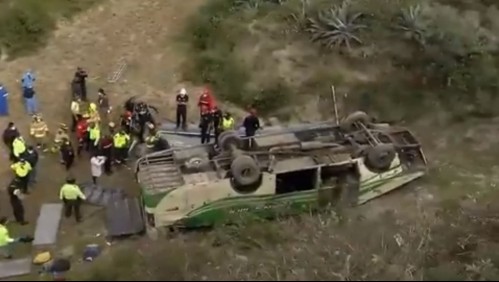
(285, 172)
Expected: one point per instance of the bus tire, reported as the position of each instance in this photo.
(245, 170)
(229, 139)
(359, 116)
(380, 157)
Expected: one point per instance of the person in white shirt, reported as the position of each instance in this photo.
(96, 163)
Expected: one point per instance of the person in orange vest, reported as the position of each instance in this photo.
(206, 100)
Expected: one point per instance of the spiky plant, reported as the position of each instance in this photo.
(411, 22)
(336, 27)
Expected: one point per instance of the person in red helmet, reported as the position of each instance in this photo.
(206, 99)
(126, 121)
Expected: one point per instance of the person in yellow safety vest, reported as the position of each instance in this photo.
(93, 136)
(18, 147)
(120, 144)
(60, 136)
(22, 168)
(5, 239)
(228, 122)
(93, 113)
(71, 196)
(75, 112)
(39, 130)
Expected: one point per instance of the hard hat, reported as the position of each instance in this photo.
(150, 125)
(63, 126)
(93, 106)
(183, 91)
(111, 124)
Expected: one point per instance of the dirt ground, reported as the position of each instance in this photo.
(143, 33)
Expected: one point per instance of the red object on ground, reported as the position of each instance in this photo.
(81, 129)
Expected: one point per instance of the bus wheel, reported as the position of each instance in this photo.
(380, 157)
(245, 170)
(348, 123)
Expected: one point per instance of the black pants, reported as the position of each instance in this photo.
(140, 134)
(92, 147)
(205, 134)
(23, 183)
(73, 123)
(121, 154)
(68, 161)
(181, 116)
(82, 145)
(108, 153)
(17, 209)
(94, 180)
(218, 130)
(249, 142)
(70, 206)
(83, 87)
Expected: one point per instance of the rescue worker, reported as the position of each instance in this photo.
(126, 121)
(31, 156)
(18, 147)
(72, 197)
(75, 112)
(67, 153)
(103, 101)
(206, 100)
(143, 117)
(106, 149)
(60, 135)
(9, 134)
(151, 138)
(228, 122)
(205, 125)
(182, 100)
(93, 113)
(15, 197)
(22, 169)
(80, 78)
(4, 101)
(39, 130)
(82, 134)
(5, 240)
(216, 116)
(75, 88)
(30, 102)
(121, 141)
(251, 124)
(93, 136)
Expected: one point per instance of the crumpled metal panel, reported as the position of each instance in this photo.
(125, 217)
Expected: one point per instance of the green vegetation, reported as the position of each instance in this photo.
(392, 57)
(25, 25)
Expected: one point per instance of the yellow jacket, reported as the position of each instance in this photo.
(38, 129)
(5, 238)
(21, 169)
(71, 192)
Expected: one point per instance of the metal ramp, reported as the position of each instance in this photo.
(120, 69)
(15, 267)
(47, 224)
(125, 217)
(159, 173)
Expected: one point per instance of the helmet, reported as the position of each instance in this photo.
(63, 126)
(183, 91)
(93, 107)
(111, 124)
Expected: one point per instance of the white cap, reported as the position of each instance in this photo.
(183, 91)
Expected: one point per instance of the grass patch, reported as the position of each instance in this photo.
(25, 25)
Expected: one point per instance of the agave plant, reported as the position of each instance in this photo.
(411, 22)
(336, 27)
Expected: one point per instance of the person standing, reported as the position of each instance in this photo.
(67, 153)
(5, 240)
(29, 96)
(206, 100)
(75, 112)
(22, 169)
(216, 116)
(31, 157)
(82, 134)
(9, 135)
(72, 197)
(38, 130)
(96, 163)
(251, 124)
(93, 136)
(16, 202)
(106, 145)
(4, 101)
(81, 80)
(121, 140)
(205, 125)
(103, 102)
(28, 79)
(182, 100)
